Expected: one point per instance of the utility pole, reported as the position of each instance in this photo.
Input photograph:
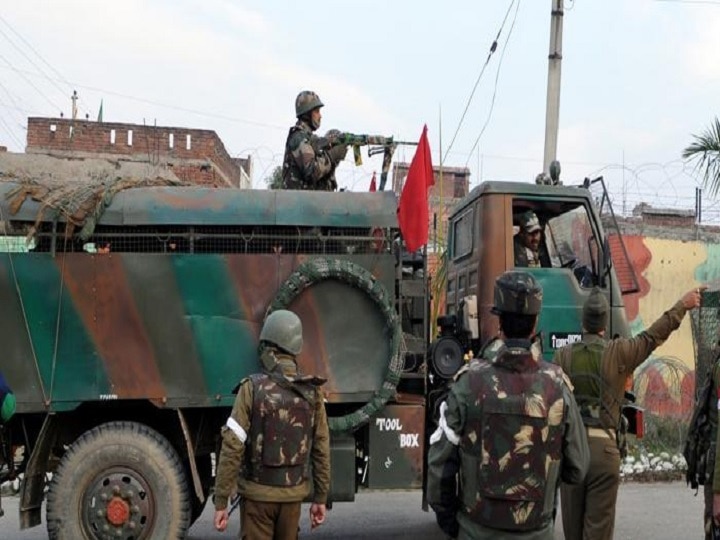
(552, 110)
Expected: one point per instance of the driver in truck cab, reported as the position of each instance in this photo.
(527, 241)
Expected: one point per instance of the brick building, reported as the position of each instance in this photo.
(194, 155)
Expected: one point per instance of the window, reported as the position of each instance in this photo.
(112, 136)
(171, 140)
(129, 140)
(567, 238)
(570, 240)
(462, 235)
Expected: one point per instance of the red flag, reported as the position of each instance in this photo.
(413, 213)
(373, 185)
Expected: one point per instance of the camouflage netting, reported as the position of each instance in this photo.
(317, 270)
(706, 334)
(80, 204)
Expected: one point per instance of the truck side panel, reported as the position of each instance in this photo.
(180, 329)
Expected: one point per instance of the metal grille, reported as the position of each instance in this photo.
(220, 239)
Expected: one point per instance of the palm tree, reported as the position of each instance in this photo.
(705, 152)
(275, 180)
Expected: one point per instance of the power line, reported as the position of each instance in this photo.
(165, 105)
(20, 72)
(15, 108)
(10, 132)
(493, 48)
(28, 45)
(497, 77)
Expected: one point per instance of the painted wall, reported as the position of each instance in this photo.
(666, 268)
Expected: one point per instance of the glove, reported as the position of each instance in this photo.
(337, 153)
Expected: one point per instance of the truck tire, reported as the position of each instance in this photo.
(315, 270)
(119, 480)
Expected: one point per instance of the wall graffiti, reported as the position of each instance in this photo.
(666, 268)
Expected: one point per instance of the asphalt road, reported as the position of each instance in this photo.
(661, 511)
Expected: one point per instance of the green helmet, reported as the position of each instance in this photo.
(517, 292)
(283, 329)
(306, 101)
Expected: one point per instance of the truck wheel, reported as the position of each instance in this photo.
(119, 480)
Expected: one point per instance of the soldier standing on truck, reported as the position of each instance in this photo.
(305, 166)
(510, 429)
(598, 369)
(276, 435)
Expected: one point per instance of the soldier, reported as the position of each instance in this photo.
(598, 369)
(305, 165)
(510, 429)
(527, 241)
(277, 433)
(711, 487)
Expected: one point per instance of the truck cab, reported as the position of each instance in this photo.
(574, 255)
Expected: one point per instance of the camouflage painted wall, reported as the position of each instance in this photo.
(666, 268)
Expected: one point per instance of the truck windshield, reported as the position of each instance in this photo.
(572, 244)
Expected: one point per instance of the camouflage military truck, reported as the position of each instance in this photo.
(126, 334)
(128, 320)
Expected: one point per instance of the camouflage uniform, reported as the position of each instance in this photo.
(712, 481)
(588, 509)
(508, 431)
(276, 437)
(306, 164)
(303, 167)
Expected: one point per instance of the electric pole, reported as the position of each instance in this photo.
(552, 109)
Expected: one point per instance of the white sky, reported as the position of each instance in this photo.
(639, 77)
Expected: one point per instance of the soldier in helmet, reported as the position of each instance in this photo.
(275, 438)
(509, 430)
(305, 166)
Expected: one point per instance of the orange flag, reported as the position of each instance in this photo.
(413, 213)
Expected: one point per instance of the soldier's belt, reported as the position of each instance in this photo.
(601, 433)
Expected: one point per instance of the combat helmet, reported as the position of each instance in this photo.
(283, 329)
(517, 292)
(306, 101)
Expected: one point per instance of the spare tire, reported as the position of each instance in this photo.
(318, 270)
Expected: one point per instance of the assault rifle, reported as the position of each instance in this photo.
(376, 144)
